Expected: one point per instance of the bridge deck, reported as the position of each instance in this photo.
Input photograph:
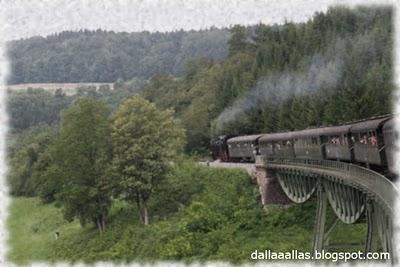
(374, 185)
(250, 168)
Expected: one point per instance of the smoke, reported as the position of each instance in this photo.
(319, 72)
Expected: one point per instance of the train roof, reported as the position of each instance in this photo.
(369, 124)
(244, 138)
(389, 124)
(333, 130)
(308, 132)
(359, 126)
(276, 136)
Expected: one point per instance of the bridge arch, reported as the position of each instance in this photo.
(350, 190)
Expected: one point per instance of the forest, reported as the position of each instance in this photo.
(335, 68)
(166, 107)
(102, 56)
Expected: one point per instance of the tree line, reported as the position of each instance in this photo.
(35, 107)
(83, 151)
(334, 68)
(95, 156)
(106, 56)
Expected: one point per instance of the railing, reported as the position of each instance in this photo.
(370, 181)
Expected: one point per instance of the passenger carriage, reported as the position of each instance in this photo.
(308, 144)
(276, 145)
(337, 143)
(368, 141)
(243, 148)
(390, 136)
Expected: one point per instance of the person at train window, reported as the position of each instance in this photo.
(373, 141)
(335, 140)
(364, 140)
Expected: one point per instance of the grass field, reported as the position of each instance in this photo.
(32, 228)
(67, 88)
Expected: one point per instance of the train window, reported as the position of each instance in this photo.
(363, 138)
(314, 140)
(372, 140)
(300, 142)
(245, 144)
(368, 138)
(344, 139)
(335, 139)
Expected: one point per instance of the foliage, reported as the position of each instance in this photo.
(81, 154)
(271, 80)
(263, 73)
(207, 215)
(334, 68)
(145, 140)
(28, 158)
(35, 107)
(106, 56)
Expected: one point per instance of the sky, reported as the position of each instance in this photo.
(26, 18)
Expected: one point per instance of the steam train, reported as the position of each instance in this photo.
(370, 143)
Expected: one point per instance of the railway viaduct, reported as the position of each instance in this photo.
(350, 190)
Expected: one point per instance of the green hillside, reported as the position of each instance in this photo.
(96, 165)
(105, 56)
(202, 214)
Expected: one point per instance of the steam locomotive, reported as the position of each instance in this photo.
(370, 143)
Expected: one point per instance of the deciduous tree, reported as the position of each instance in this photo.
(82, 153)
(145, 141)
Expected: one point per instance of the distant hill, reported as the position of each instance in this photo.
(102, 56)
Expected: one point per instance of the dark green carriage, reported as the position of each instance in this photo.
(337, 143)
(308, 144)
(390, 137)
(368, 141)
(243, 148)
(277, 145)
